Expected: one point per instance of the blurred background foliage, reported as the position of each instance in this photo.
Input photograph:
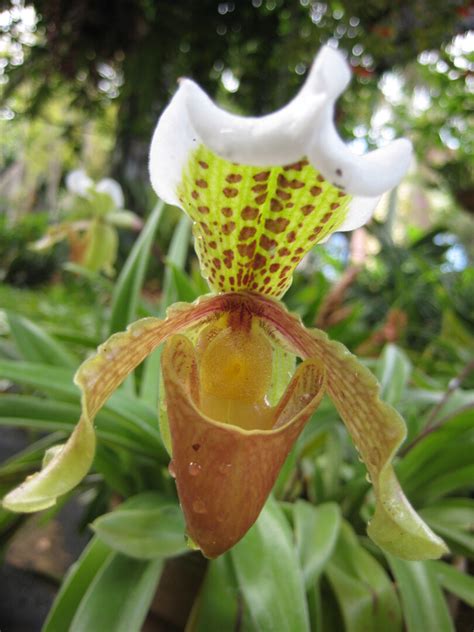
(82, 84)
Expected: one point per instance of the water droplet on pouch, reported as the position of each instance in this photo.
(194, 468)
(224, 468)
(171, 469)
(199, 507)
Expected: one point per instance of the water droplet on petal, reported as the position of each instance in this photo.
(194, 468)
(199, 507)
(171, 469)
(224, 468)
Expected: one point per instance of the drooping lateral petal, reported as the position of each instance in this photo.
(377, 431)
(101, 250)
(224, 473)
(53, 236)
(375, 427)
(98, 377)
(262, 191)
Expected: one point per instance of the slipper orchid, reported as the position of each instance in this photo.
(261, 193)
(95, 211)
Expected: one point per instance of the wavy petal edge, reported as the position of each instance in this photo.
(302, 128)
(97, 378)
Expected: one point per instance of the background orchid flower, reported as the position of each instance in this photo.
(261, 193)
(94, 211)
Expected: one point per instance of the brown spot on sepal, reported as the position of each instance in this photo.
(266, 243)
(275, 205)
(228, 228)
(234, 177)
(259, 261)
(230, 192)
(247, 250)
(283, 195)
(249, 213)
(261, 176)
(247, 232)
(277, 225)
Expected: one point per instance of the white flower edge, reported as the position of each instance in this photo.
(79, 183)
(304, 127)
(113, 189)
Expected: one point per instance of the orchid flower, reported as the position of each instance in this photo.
(94, 212)
(261, 193)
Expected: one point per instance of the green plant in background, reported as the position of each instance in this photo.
(334, 577)
(94, 212)
(18, 264)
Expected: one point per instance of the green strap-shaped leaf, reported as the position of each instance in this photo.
(93, 561)
(217, 605)
(269, 574)
(365, 594)
(454, 581)
(130, 281)
(445, 450)
(35, 345)
(119, 597)
(393, 371)
(178, 250)
(424, 606)
(144, 533)
(316, 534)
(453, 518)
(75, 585)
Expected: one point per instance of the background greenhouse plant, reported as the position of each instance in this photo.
(307, 563)
(76, 91)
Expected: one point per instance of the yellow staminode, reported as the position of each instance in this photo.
(235, 370)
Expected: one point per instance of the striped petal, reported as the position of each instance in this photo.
(376, 428)
(98, 377)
